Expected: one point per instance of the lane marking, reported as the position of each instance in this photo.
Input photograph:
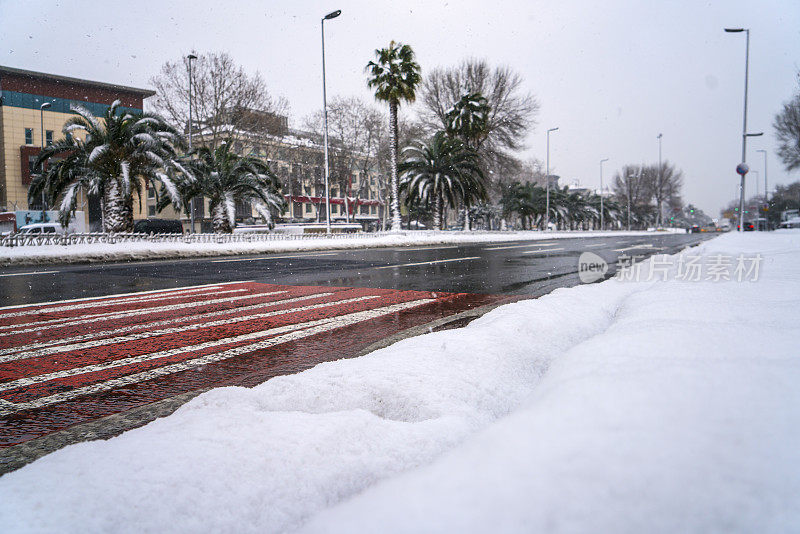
(57, 345)
(597, 245)
(538, 251)
(85, 299)
(277, 257)
(66, 321)
(522, 246)
(404, 249)
(119, 302)
(426, 263)
(32, 272)
(311, 329)
(37, 379)
(646, 245)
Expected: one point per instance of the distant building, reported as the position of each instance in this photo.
(25, 128)
(297, 158)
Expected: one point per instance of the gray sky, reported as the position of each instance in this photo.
(611, 75)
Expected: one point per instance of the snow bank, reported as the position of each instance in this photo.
(620, 406)
(682, 416)
(43, 254)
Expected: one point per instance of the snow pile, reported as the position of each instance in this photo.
(620, 406)
(43, 254)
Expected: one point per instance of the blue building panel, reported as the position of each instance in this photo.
(61, 105)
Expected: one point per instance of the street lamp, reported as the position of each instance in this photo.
(601, 192)
(44, 106)
(766, 191)
(547, 182)
(743, 168)
(329, 16)
(660, 184)
(190, 57)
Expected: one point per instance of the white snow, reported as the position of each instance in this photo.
(40, 254)
(613, 407)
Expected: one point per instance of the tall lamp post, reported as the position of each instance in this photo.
(601, 193)
(190, 57)
(44, 106)
(329, 16)
(547, 182)
(766, 191)
(660, 184)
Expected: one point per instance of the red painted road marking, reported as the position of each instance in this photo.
(131, 350)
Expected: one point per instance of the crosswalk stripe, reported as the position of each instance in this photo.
(538, 251)
(134, 293)
(166, 331)
(66, 321)
(120, 302)
(426, 262)
(57, 344)
(300, 331)
(521, 246)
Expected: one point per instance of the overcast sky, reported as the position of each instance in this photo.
(611, 75)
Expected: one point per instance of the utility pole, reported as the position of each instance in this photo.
(190, 57)
(547, 182)
(602, 213)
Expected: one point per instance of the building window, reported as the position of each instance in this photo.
(308, 208)
(28, 136)
(32, 165)
(334, 208)
(372, 210)
(151, 192)
(151, 211)
(364, 210)
(48, 135)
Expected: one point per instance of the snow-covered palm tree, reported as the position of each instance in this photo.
(122, 153)
(395, 76)
(225, 177)
(445, 169)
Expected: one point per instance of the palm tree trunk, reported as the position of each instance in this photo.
(437, 212)
(220, 219)
(117, 210)
(393, 164)
(466, 219)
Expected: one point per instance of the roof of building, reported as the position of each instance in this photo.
(57, 78)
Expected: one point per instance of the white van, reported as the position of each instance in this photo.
(43, 228)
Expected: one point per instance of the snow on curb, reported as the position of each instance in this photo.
(45, 254)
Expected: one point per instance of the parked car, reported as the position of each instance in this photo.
(43, 228)
(748, 227)
(158, 226)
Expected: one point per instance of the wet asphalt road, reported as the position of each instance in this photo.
(530, 268)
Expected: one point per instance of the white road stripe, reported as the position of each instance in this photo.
(538, 251)
(29, 381)
(521, 246)
(427, 262)
(66, 321)
(646, 245)
(406, 249)
(596, 245)
(277, 257)
(310, 329)
(87, 299)
(32, 272)
(57, 345)
(118, 302)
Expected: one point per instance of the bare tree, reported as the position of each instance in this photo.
(355, 130)
(787, 130)
(512, 113)
(226, 100)
(665, 187)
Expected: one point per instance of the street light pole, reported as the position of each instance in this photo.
(547, 182)
(744, 120)
(329, 16)
(766, 191)
(44, 106)
(190, 57)
(660, 185)
(601, 194)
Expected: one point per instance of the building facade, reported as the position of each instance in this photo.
(33, 109)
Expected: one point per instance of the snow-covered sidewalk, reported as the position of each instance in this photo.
(44, 254)
(623, 406)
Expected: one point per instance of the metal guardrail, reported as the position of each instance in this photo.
(26, 240)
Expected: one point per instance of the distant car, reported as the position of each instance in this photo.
(748, 227)
(158, 226)
(43, 228)
(694, 229)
